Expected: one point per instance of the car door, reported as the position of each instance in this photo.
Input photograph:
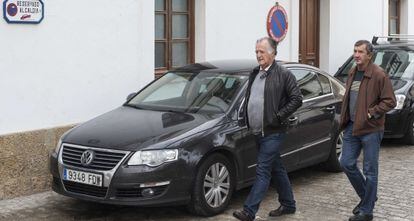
(247, 148)
(310, 126)
(250, 147)
(315, 118)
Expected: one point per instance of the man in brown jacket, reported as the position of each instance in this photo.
(369, 96)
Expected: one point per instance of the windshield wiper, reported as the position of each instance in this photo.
(173, 111)
(134, 106)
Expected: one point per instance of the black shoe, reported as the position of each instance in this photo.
(361, 217)
(356, 209)
(282, 210)
(242, 215)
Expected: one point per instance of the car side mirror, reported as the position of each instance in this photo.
(131, 95)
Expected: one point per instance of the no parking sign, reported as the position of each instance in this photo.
(277, 23)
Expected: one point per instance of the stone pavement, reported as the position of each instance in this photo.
(319, 195)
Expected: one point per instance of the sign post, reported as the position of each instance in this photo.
(23, 11)
(277, 23)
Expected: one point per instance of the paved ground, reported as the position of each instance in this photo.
(320, 196)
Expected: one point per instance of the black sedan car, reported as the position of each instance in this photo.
(183, 140)
(396, 57)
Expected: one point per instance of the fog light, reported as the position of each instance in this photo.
(147, 192)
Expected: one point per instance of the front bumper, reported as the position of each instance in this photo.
(397, 123)
(170, 184)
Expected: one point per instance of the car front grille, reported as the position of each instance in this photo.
(85, 189)
(137, 192)
(103, 159)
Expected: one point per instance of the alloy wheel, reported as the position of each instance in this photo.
(339, 144)
(413, 128)
(216, 185)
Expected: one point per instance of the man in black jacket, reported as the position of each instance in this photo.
(272, 96)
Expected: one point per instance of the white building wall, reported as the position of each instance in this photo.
(343, 22)
(83, 59)
(410, 17)
(324, 36)
(229, 29)
(407, 17)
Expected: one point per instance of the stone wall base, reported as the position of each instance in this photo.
(24, 168)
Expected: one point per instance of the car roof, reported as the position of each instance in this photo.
(235, 66)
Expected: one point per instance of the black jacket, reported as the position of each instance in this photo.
(282, 97)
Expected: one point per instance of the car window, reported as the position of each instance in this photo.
(397, 63)
(325, 84)
(343, 75)
(308, 83)
(173, 89)
(229, 82)
(191, 92)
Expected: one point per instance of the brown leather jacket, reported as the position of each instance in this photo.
(376, 97)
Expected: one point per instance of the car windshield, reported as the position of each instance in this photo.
(399, 64)
(190, 92)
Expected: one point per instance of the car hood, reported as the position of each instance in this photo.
(127, 128)
(398, 83)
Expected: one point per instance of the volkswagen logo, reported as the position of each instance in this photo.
(87, 157)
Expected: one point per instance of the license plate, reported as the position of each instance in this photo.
(82, 177)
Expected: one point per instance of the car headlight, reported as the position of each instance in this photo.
(58, 146)
(153, 158)
(400, 101)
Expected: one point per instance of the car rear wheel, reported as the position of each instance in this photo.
(332, 164)
(213, 187)
(409, 136)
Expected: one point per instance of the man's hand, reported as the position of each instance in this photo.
(369, 116)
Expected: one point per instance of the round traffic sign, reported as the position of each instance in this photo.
(277, 23)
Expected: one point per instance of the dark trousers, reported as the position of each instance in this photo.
(365, 185)
(269, 165)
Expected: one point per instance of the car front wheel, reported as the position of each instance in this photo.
(213, 187)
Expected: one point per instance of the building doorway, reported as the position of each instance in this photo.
(309, 32)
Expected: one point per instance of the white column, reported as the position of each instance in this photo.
(200, 30)
(324, 34)
(407, 17)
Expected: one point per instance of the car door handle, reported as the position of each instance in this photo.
(330, 108)
(293, 119)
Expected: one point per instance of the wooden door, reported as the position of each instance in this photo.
(309, 32)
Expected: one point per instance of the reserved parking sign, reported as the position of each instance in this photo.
(23, 11)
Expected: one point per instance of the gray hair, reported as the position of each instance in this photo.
(272, 43)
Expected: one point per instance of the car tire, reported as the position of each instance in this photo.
(409, 136)
(213, 186)
(332, 164)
